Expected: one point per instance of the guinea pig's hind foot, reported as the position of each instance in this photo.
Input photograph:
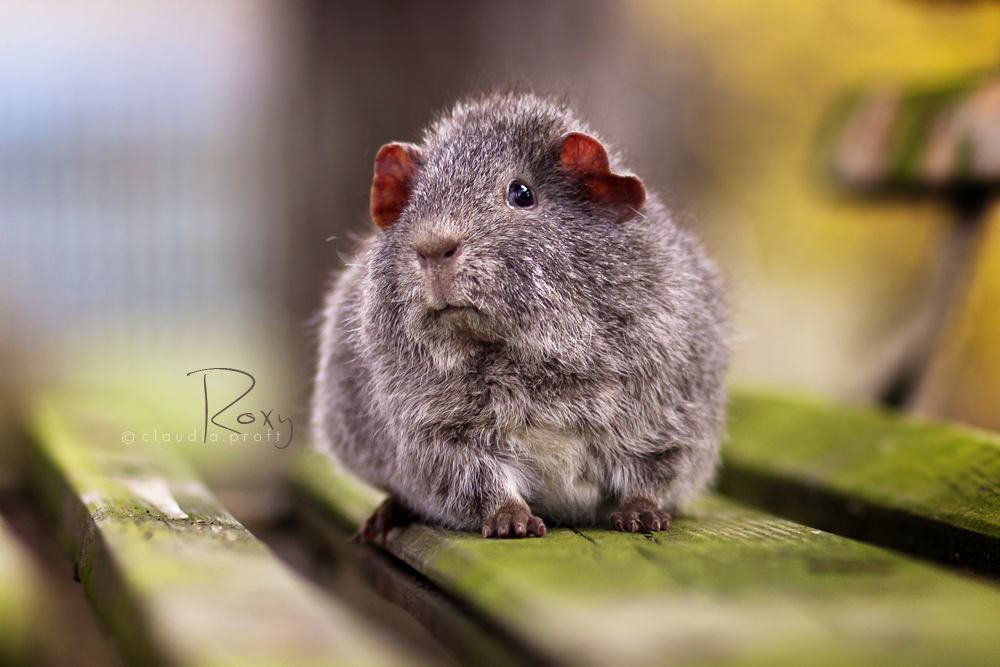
(513, 519)
(391, 513)
(640, 513)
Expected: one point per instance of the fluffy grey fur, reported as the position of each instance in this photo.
(585, 369)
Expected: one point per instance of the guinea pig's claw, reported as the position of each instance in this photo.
(513, 519)
(391, 513)
(640, 514)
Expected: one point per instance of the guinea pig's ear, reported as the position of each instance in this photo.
(585, 159)
(395, 169)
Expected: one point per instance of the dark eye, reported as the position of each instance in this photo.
(520, 195)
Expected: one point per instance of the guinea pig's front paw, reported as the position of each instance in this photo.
(392, 512)
(638, 513)
(513, 519)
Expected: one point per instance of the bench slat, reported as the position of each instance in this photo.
(725, 584)
(24, 604)
(928, 489)
(176, 579)
(932, 137)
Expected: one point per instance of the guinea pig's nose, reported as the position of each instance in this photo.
(437, 252)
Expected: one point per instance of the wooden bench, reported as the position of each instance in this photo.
(178, 581)
(174, 577)
(836, 536)
(728, 583)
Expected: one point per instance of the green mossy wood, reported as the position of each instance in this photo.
(725, 585)
(925, 488)
(177, 580)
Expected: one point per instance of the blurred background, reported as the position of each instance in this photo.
(178, 179)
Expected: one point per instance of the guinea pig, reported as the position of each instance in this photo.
(528, 338)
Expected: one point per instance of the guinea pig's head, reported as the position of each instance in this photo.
(500, 227)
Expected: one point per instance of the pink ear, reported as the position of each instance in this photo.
(395, 169)
(586, 160)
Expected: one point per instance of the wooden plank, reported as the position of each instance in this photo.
(726, 585)
(931, 137)
(176, 579)
(468, 638)
(928, 489)
(24, 604)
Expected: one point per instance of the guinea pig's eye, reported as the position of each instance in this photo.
(519, 195)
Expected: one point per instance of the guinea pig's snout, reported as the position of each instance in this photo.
(437, 253)
(438, 259)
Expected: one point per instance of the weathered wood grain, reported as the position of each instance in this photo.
(726, 585)
(468, 638)
(928, 489)
(177, 580)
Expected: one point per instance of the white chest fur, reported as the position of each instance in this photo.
(558, 474)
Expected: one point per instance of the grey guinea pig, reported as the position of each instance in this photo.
(527, 339)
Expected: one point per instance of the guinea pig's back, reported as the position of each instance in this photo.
(342, 420)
